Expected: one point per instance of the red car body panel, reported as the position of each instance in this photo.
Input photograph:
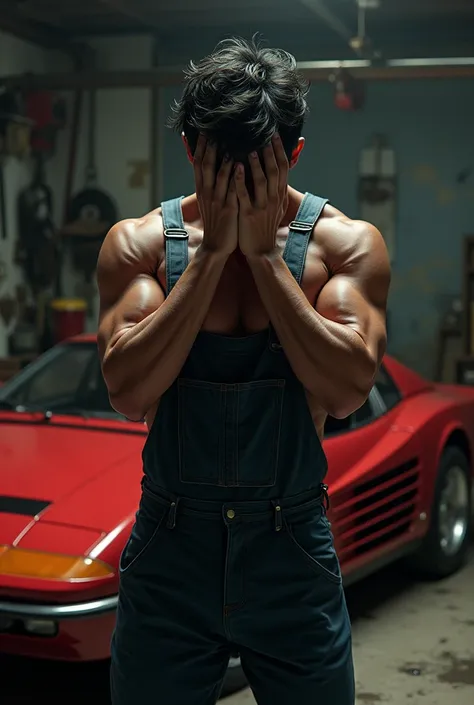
(77, 640)
(88, 471)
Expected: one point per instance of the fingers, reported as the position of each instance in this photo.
(197, 161)
(232, 201)
(209, 167)
(271, 170)
(259, 180)
(241, 188)
(272, 181)
(222, 180)
(282, 163)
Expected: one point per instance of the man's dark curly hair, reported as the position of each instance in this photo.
(239, 96)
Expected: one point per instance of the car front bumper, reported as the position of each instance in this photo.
(59, 612)
(71, 632)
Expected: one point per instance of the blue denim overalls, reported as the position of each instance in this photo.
(231, 549)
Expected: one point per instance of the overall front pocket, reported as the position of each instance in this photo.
(229, 434)
(147, 525)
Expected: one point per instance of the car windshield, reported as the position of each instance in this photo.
(66, 380)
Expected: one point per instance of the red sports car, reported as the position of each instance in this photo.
(400, 479)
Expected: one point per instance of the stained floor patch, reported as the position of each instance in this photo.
(367, 698)
(460, 671)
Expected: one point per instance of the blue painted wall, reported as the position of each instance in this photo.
(430, 124)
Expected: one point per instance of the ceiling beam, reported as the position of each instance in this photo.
(84, 80)
(399, 69)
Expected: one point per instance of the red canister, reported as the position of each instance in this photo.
(69, 318)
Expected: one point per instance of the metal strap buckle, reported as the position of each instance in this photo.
(325, 496)
(176, 233)
(299, 227)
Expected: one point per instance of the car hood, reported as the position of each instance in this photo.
(66, 474)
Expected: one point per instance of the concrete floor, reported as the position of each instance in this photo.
(413, 645)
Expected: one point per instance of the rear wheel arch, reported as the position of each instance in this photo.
(452, 435)
(458, 438)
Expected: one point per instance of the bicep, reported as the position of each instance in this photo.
(356, 297)
(142, 297)
(128, 291)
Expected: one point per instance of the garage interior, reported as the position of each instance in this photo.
(85, 90)
(104, 50)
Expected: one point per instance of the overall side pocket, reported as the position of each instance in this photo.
(312, 542)
(148, 522)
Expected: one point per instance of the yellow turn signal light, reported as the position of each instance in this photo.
(51, 566)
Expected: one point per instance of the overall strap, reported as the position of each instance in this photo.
(297, 243)
(176, 241)
(300, 233)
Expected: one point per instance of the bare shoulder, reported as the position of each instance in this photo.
(127, 266)
(134, 245)
(347, 244)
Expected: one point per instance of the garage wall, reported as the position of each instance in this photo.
(123, 132)
(428, 123)
(122, 147)
(122, 142)
(17, 56)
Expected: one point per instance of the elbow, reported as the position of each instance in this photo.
(123, 398)
(133, 397)
(341, 408)
(127, 406)
(350, 394)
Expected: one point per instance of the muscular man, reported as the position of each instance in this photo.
(234, 321)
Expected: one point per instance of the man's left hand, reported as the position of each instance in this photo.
(260, 217)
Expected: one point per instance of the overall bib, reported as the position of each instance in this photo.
(231, 550)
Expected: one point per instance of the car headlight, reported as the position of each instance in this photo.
(51, 566)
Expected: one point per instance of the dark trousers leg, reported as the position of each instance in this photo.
(292, 623)
(300, 680)
(168, 647)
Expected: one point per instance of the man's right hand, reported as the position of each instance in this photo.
(217, 199)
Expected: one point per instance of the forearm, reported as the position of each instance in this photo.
(331, 360)
(144, 360)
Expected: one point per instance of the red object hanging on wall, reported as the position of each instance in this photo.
(48, 112)
(349, 92)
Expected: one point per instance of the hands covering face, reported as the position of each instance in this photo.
(230, 216)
